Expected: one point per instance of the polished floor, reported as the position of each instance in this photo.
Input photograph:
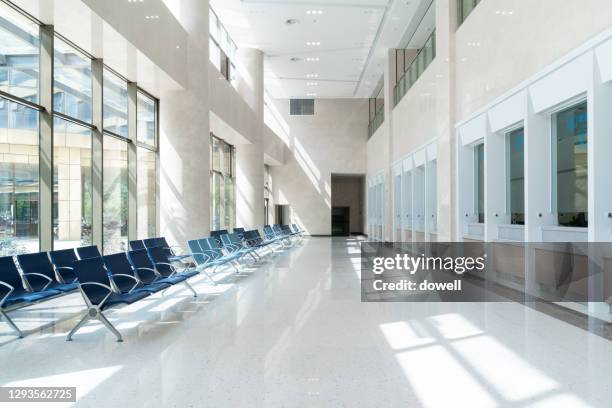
(293, 333)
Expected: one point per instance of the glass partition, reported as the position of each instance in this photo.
(19, 178)
(72, 188)
(115, 195)
(115, 104)
(516, 175)
(570, 166)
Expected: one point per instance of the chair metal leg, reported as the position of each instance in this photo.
(109, 326)
(11, 324)
(209, 277)
(80, 324)
(190, 288)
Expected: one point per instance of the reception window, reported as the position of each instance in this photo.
(516, 175)
(479, 185)
(570, 166)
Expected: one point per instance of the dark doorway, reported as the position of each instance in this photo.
(282, 214)
(341, 219)
(347, 209)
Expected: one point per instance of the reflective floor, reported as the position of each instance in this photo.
(293, 333)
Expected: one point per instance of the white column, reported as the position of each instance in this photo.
(184, 138)
(250, 157)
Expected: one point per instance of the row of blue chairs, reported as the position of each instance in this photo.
(125, 278)
(122, 278)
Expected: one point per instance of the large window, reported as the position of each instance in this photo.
(222, 49)
(570, 166)
(19, 180)
(465, 8)
(72, 83)
(415, 68)
(516, 175)
(72, 188)
(19, 46)
(479, 185)
(75, 190)
(115, 195)
(222, 185)
(115, 104)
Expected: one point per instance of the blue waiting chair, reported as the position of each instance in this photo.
(63, 260)
(234, 245)
(87, 252)
(40, 273)
(239, 232)
(15, 291)
(217, 234)
(161, 242)
(96, 287)
(212, 247)
(137, 244)
(125, 278)
(142, 263)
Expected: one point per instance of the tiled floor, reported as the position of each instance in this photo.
(294, 333)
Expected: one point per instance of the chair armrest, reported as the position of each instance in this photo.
(215, 253)
(157, 274)
(68, 268)
(10, 290)
(207, 257)
(110, 291)
(172, 268)
(41, 276)
(121, 275)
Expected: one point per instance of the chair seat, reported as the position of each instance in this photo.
(189, 273)
(172, 280)
(125, 298)
(175, 258)
(28, 297)
(63, 287)
(153, 287)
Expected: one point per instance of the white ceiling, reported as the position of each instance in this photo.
(353, 35)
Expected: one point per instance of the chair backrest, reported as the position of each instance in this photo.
(239, 231)
(196, 252)
(153, 242)
(37, 263)
(213, 243)
(140, 259)
(63, 259)
(217, 234)
(160, 259)
(91, 270)
(119, 264)
(226, 239)
(137, 244)
(10, 274)
(89, 252)
(204, 243)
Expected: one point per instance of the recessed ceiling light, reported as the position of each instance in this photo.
(313, 59)
(312, 75)
(316, 12)
(311, 94)
(313, 43)
(152, 17)
(312, 83)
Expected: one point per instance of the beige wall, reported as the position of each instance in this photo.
(490, 53)
(333, 140)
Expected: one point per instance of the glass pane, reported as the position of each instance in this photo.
(19, 46)
(115, 104)
(229, 203)
(480, 189)
(216, 200)
(72, 188)
(227, 159)
(146, 119)
(146, 176)
(115, 196)
(572, 166)
(72, 82)
(214, 54)
(19, 179)
(216, 154)
(516, 141)
(213, 25)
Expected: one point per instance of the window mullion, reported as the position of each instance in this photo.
(46, 138)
